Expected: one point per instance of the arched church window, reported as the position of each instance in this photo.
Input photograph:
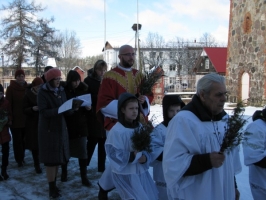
(247, 23)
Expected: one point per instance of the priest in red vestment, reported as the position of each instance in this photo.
(123, 78)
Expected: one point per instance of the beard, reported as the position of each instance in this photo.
(127, 64)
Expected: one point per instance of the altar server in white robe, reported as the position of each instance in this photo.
(129, 168)
(171, 106)
(254, 148)
(192, 164)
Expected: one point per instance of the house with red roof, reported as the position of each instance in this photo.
(80, 71)
(211, 59)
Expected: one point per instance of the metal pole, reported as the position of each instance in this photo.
(105, 33)
(137, 34)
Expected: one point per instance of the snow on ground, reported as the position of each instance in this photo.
(25, 184)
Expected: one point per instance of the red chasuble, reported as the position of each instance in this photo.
(115, 82)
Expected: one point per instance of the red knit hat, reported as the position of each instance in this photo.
(37, 81)
(19, 72)
(51, 74)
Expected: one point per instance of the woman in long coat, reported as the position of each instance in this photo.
(31, 111)
(14, 94)
(77, 126)
(52, 129)
(97, 133)
(5, 138)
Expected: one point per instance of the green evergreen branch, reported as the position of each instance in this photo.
(141, 138)
(233, 133)
(149, 81)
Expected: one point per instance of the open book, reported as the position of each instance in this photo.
(83, 100)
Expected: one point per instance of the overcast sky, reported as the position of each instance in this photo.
(187, 19)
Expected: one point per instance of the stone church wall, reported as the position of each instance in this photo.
(247, 50)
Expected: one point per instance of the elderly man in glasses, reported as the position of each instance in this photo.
(122, 78)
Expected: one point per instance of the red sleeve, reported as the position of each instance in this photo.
(106, 94)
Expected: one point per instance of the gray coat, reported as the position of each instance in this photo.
(52, 129)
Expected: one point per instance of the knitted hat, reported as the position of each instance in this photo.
(51, 74)
(19, 72)
(1, 88)
(37, 81)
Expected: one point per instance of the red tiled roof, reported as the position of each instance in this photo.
(217, 56)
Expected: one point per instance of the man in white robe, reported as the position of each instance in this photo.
(254, 148)
(192, 164)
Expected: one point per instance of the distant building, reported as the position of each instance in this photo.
(50, 62)
(8, 73)
(80, 71)
(177, 64)
(211, 59)
(177, 73)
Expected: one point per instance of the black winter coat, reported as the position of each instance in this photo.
(77, 122)
(52, 129)
(32, 119)
(95, 127)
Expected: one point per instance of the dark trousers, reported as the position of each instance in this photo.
(35, 156)
(18, 136)
(91, 144)
(5, 154)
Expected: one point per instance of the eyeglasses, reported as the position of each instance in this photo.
(101, 70)
(57, 79)
(128, 54)
(221, 94)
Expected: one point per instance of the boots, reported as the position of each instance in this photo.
(53, 191)
(103, 194)
(35, 156)
(38, 169)
(64, 173)
(83, 172)
(56, 188)
(4, 175)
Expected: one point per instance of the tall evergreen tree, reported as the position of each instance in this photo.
(44, 43)
(18, 30)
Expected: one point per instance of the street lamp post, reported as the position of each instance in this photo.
(137, 27)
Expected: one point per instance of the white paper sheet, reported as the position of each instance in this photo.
(68, 104)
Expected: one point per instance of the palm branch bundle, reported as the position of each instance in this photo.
(149, 80)
(141, 138)
(233, 129)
